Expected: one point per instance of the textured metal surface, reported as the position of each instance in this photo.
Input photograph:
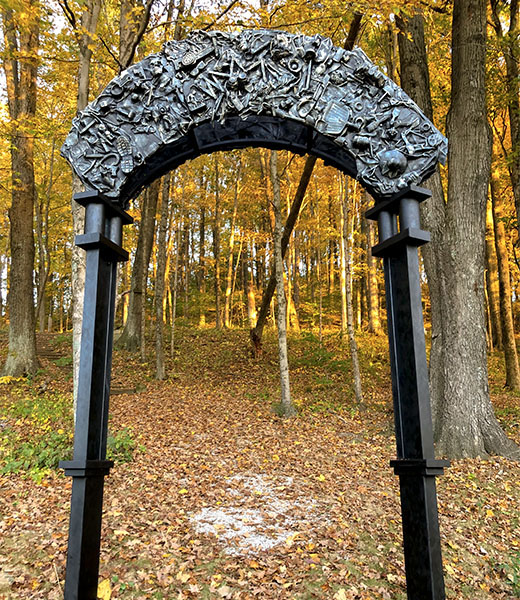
(148, 119)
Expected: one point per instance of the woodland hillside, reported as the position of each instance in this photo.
(251, 352)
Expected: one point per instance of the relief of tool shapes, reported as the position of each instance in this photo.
(210, 76)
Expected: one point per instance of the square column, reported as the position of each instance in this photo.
(102, 243)
(399, 237)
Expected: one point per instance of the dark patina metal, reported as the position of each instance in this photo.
(218, 91)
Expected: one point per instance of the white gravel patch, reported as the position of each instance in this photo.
(258, 516)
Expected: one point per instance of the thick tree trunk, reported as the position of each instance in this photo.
(130, 338)
(492, 287)
(415, 80)
(159, 279)
(287, 408)
(506, 311)
(20, 67)
(466, 423)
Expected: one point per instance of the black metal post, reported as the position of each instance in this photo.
(415, 465)
(102, 242)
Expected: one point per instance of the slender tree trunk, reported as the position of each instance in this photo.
(256, 333)
(346, 238)
(202, 267)
(510, 52)
(159, 279)
(374, 319)
(343, 265)
(287, 408)
(20, 68)
(493, 290)
(227, 305)
(216, 244)
(88, 26)
(131, 337)
(249, 289)
(1, 280)
(176, 276)
(506, 311)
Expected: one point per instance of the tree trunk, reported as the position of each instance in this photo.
(88, 26)
(415, 80)
(287, 408)
(216, 245)
(346, 237)
(466, 424)
(343, 266)
(133, 20)
(492, 287)
(249, 289)
(130, 338)
(506, 311)
(176, 275)
(510, 52)
(202, 267)
(159, 279)
(374, 318)
(256, 333)
(227, 305)
(20, 67)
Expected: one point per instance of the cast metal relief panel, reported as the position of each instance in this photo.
(252, 79)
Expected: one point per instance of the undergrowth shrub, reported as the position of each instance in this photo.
(36, 432)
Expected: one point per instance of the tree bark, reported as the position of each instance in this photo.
(287, 408)
(133, 20)
(202, 267)
(21, 42)
(176, 274)
(506, 311)
(466, 424)
(249, 288)
(463, 415)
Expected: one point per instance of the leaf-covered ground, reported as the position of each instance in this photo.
(225, 500)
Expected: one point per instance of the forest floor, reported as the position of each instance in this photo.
(223, 499)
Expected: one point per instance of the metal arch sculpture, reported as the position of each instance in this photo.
(217, 91)
(178, 103)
